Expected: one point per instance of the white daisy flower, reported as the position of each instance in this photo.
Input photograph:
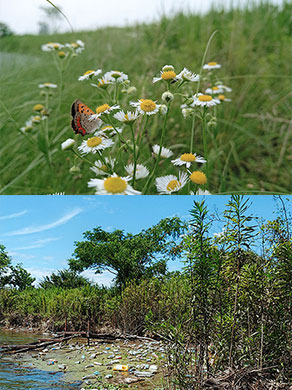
(141, 171)
(94, 144)
(68, 144)
(90, 73)
(104, 109)
(214, 90)
(50, 46)
(113, 185)
(80, 43)
(27, 128)
(212, 65)
(165, 153)
(187, 159)
(167, 74)
(187, 75)
(204, 100)
(100, 169)
(202, 192)
(146, 106)
(108, 129)
(224, 88)
(126, 117)
(170, 183)
(222, 98)
(48, 85)
(116, 76)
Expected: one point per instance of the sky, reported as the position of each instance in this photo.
(40, 231)
(23, 15)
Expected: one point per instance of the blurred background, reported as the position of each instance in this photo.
(38, 17)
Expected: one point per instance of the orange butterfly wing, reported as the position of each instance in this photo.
(79, 112)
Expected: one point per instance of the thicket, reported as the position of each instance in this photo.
(230, 306)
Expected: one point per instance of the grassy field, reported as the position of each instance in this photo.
(249, 149)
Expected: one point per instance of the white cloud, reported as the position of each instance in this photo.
(38, 244)
(15, 215)
(105, 278)
(39, 274)
(36, 229)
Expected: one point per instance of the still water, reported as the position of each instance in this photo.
(14, 376)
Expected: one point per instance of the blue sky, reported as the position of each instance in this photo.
(39, 231)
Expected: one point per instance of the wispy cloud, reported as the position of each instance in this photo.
(38, 244)
(20, 256)
(36, 229)
(15, 215)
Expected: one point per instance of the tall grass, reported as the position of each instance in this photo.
(250, 148)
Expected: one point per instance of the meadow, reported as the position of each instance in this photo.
(248, 145)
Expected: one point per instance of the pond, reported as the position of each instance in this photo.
(16, 375)
(75, 365)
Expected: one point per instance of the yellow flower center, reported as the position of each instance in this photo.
(188, 157)
(38, 107)
(172, 185)
(62, 54)
(198, 177)
(102, 108)
(168, 75)
(212, 63)
(88, 72)
(215, 88)
(104, 168)
(56, 46)
(94, 141)
(126, 117)
(36, 119)
(47, 84)
(116, 74)
(205, 98)
(74, 44)
(106, 128)
(221, 97)
(147, 105)
(115, 185)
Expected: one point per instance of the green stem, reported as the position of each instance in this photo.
(204, 126)
(192, 134)
(142, 134)
(134, 154)
(145, 189)
(82, 158)
(105, 163)
(192, 146)
(122, 139)
(204, 58)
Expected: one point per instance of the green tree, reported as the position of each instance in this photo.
(5, 262)
(20, 278)
(65, 278)
(129, 256)
(5, 30)
(239, 236)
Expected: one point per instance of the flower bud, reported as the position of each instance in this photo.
(163, 109)
(74, 170)
(68, 144)
(167, 97)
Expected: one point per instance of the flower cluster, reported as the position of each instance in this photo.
(120, 149)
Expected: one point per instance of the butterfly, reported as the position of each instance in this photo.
(81, 122)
